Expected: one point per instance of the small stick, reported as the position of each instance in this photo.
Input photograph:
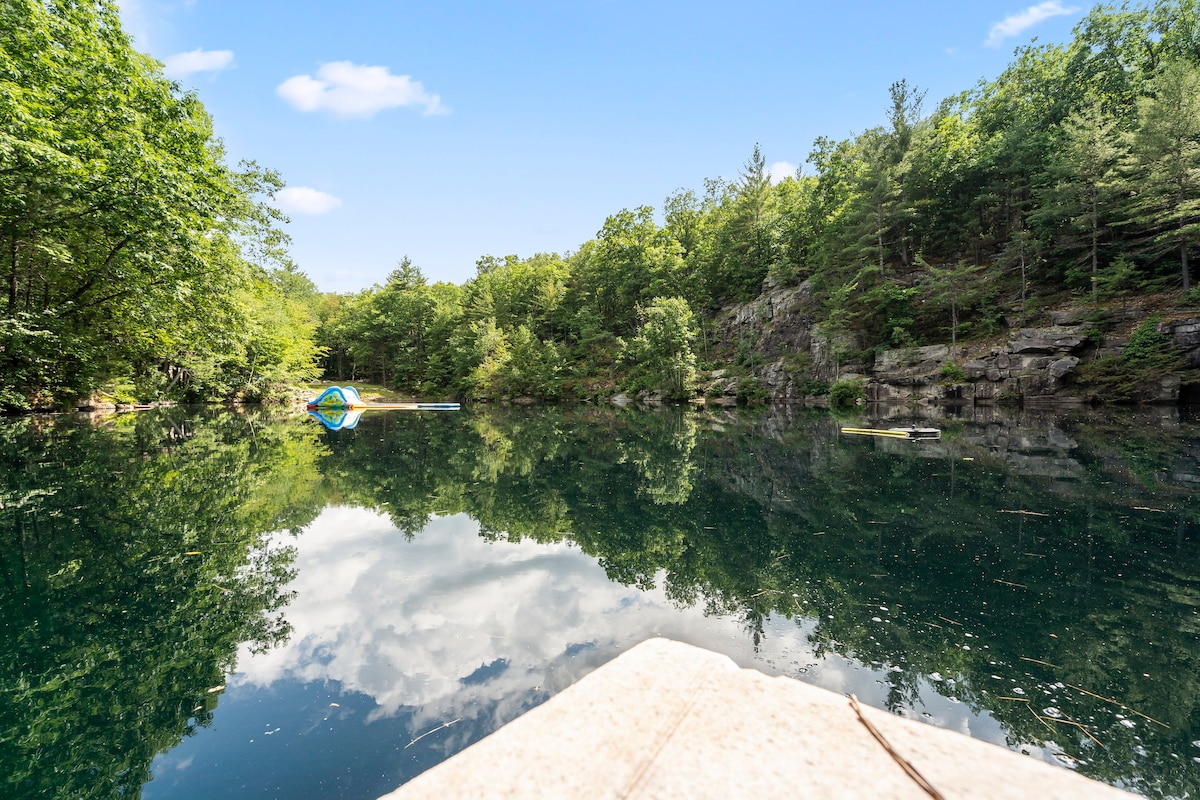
(904, 763)
(1026, 513)
(435, 730)
(952, 622)
(1043, 663)
(1080, 726)
(1115, 703)
(1010, 583)
(1014, 699)
(1039, 718)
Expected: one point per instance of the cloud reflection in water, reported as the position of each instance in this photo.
(450, 626)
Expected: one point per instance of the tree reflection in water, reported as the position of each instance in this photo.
(1039, 571)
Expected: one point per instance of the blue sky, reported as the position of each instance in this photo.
(445, 131)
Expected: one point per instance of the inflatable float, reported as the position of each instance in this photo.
(339, 407)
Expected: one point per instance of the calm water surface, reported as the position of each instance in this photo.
(246, 605)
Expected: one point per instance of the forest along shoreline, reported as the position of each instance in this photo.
(1028, 240)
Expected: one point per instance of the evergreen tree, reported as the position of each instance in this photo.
(1163, 166)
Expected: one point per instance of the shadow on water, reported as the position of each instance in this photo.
(1035, 573)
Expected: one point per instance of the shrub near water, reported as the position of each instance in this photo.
(846, 393)
(1146, 359)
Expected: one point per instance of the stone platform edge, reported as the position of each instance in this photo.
(669, 720)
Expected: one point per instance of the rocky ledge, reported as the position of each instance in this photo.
(1033, 366)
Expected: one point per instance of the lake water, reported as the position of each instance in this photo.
(213, 603)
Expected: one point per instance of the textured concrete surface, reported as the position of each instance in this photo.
(668, 720)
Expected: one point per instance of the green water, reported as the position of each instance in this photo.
(245, 605)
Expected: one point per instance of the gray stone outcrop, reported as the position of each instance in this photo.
(1035, 365)
(1185, 334)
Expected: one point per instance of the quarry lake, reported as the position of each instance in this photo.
(219, 603)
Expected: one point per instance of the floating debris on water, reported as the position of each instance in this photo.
(1051, 711)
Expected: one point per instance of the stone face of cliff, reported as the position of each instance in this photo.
(786, 355)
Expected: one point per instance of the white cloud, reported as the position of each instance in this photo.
(181, 65)
(303, 200)
(355, 90)
(1020, 22)
(780, 171)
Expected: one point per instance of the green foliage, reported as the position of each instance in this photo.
(746, 355)
(1076, 168)
(1164, 164)
(952, 373)
(1147, 343)
(811, 387)
(661, 354)
(128, 248)
(144, 563)
(889, 307)
(1147, 358)
(846, 393)
(750, 390)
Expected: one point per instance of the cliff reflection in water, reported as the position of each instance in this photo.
(1033, 578)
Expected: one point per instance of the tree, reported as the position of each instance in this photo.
(633, 261)
(744, 243)
(1163, 165)
(662, 350)
(127, 241)
(953, 287)
(1083, 184)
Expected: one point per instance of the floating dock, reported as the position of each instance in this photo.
(897, 433)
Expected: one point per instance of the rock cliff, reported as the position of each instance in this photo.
(780, 353)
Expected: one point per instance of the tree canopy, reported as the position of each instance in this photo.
(1070, 177)
(132, 253)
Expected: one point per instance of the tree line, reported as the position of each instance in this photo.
(1073, 176)
(135, 260)
(139, 263)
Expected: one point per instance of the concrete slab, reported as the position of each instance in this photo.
(668, 720)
